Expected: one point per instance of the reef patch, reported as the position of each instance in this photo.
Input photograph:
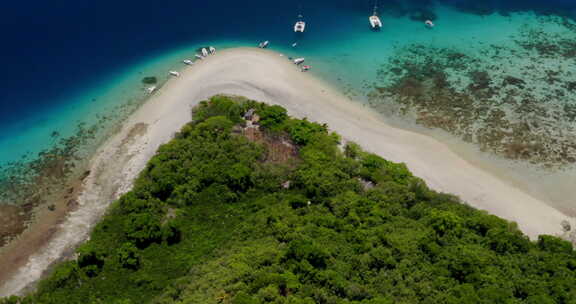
(517, 99)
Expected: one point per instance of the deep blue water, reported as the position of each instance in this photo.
(54, 50)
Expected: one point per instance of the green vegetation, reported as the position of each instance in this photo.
(212, 220)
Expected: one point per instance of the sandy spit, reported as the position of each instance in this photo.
(267, 76)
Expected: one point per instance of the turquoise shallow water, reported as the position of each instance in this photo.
(355, 54)
(341, 49)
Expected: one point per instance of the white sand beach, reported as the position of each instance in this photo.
(266, 76)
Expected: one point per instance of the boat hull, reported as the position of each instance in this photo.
(375, 22)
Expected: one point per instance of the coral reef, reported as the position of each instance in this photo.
(516, 99)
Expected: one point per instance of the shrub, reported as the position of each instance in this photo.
(272, 117)
(142, 229)
(303, 132)
(90, 260)
(65, 273)
(553, 244)
(128, 256)
(444, 221)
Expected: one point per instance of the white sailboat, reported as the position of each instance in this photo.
(300, 25)
(375, 21)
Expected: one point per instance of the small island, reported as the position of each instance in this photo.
(247, 205)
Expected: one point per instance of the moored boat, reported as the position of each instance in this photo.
(264, 44)
(212, 50)
(198, 56)
(175, 74)
(306, 68)
(188, 62)
(300, 25)
(429, 23)
(298, 60)
(375, 22)
(204, 52)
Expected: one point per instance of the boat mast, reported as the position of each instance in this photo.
(375, 12)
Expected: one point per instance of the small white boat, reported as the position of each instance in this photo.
(294, 44)
(375, 22)
(212, 50)
(174, 73)
(204, 52)
(300, 25)
(429, 23)
(306, 68)
(188, 62)
(199, 57)
(151, 89)
(298, 60)
(264, 44)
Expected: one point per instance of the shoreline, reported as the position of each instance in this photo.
(266, 76)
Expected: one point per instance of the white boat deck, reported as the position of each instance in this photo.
(300, 27)
(375, 21)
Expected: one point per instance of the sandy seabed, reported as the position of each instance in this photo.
(269, 77)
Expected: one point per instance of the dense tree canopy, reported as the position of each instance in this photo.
(212, 219)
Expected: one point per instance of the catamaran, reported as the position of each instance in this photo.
(300, 26)
(212, 50)
(375, 22)
(264, 44)
(204, 52)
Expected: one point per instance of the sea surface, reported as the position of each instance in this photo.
(69, 65)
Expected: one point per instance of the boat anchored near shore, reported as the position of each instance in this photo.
(264, 44)
(174, 73)
(151, 89)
